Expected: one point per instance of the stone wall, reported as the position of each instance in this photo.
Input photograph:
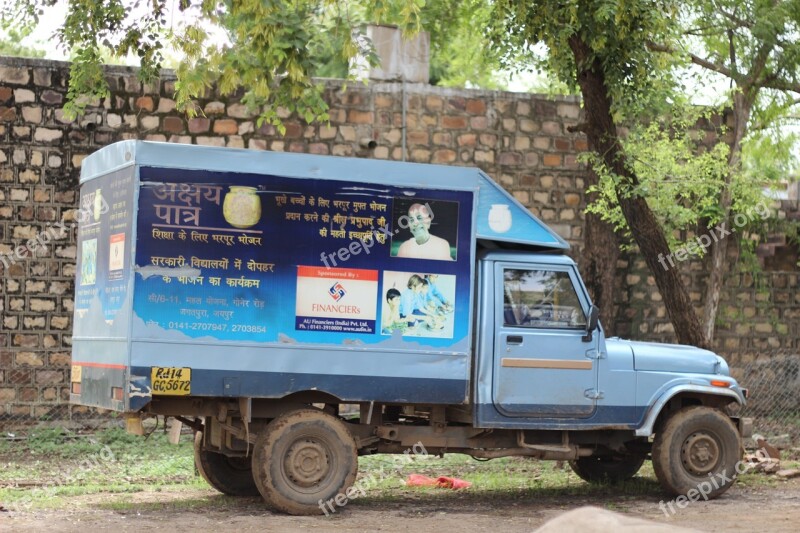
(759, 314)
(520, 139)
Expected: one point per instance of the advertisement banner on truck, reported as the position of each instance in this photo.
(255, 258)
(103, 246)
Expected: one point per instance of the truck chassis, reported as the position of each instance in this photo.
(299, 451)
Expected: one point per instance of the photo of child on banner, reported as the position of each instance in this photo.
(418, 305)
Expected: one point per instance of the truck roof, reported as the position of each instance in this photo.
(514, 255)
(500, 217)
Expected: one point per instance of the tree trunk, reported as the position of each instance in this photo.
(599, 261)
(742, 107)
(603, 139)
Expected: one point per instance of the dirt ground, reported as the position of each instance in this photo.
(762, 508)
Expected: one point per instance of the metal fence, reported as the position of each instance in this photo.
(774, 398)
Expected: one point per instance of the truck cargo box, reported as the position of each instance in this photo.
(221, 272)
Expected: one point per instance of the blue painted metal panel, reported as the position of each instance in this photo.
(651, 356)
(104, 285)
(556, 392)
(337, 363)
(502, 218)
(348, 388)
(104, 253)
(650, 386)
(496, 208)
(604, 417)
(315, 265)
(683, 384)
(615, 377)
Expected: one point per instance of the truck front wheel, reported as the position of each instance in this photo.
(305, 462)
(607, 469)
(229, 475)
(697, 449)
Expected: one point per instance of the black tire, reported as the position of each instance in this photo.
(607, 469)
(229, 475)
(698, 448)
(304, 457)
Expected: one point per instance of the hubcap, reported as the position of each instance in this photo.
(307, 463)
(700, 453)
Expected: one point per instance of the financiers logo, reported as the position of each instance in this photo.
(337, 291)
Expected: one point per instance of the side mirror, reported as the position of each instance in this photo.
(591, 325)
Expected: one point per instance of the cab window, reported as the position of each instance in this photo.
(540, 299)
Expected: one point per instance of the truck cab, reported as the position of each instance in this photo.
(543, 359)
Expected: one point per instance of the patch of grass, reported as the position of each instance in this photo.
(754, 480)
(53, 465)
(382, 478)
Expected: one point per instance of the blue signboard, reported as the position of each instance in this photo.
(104, 247)
(265, 259)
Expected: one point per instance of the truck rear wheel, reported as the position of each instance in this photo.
(607, 469)
(303, 459)
(229, 475)
(697, 449)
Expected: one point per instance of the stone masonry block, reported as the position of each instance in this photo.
(15, 75)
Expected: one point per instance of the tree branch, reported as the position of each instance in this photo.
(757, 66)
(732, 50)
(769, 82)
(697, 60)
(736, 20)
(701, 30)
(772, 82)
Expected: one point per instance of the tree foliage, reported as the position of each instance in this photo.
(272, 49)
(459, 56)
(601, 48)
(753, 46)
(635, 48)
(621, 54)
(268, 47)
(680, 178)
(615, 33)
(10, 44)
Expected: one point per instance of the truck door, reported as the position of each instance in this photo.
(542, 365)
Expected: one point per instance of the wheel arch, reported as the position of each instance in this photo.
(681, 396)
(311, 397)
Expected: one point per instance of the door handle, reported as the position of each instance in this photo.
(514, 339)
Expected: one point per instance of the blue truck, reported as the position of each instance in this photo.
(299, 311)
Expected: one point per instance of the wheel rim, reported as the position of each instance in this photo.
(307, 464)
(700, 453)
